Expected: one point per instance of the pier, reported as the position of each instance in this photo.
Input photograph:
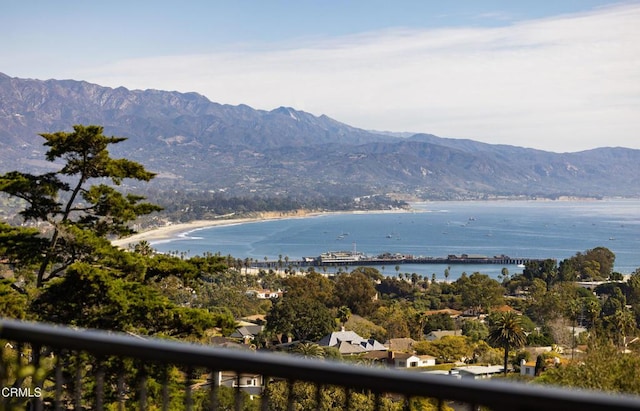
(347, 258)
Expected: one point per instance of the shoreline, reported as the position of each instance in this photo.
(174, 230)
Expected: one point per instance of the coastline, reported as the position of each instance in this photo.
(173, 230)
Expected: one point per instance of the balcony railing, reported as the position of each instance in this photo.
(56, 367)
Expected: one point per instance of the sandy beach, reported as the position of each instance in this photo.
(171, 230)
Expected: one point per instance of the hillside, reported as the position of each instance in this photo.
(194, 143)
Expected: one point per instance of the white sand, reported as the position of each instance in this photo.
(173, 230)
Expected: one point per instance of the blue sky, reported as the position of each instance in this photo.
(555, 75)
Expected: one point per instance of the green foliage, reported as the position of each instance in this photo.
(303, 318)
(394, 319)
(226, 400)
(12, 303)
(439, 321)
(392, 287)
(15, 373)
(356, 291)
(475, 330)
(447, 349)
(308, 350)
(20, 245)
(506, 331)
(366, 328)
(592, 265)
(540, 339)
(304, 396)
(370, 272)
(545, 270)
(99, 209)
(479, 291)
(344, 313)
(604, 368)
(313, 286)
(92, 297)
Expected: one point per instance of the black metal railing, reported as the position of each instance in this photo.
(56, 367)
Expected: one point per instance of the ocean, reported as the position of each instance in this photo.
(531, 229)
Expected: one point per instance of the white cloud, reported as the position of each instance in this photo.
(561, 84)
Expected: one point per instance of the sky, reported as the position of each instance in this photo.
(556, 75)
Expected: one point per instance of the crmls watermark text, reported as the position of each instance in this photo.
(16, 392)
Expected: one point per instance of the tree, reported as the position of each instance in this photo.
(394, 288)
(603, 368)
(303, 318)
(447, 349)
(313, 286)
(356, 291)
(545, 270)
(625, 323)
(594, 264)
(92, 297)
(507, 332)
(475, 330)
(12, 303)
(479, 291)
(440, 321)
(308, 350)
(65, 200)
(344, 313)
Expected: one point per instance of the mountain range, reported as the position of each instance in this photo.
(196, 144)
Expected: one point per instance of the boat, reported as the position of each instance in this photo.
(337, 257)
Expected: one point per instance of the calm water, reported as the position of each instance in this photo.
(515, 228)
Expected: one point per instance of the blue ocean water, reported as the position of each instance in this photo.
(533, 229)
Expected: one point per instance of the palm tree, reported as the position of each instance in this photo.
(344, 313)
(143, 247)
(507, 332)
(593, 309)
(624, 321)
(308, 350)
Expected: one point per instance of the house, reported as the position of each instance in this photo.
(446, 311)
(400, 344)
(506, 309)
(265, 294)
(436, 335)
(255, 319)
(528, 368)
(478, 372)
(247, 333)
(406, 360)
(252, 384)
(349, 342)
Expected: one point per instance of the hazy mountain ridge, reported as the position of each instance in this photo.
(195, 143)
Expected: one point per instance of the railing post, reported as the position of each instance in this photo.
(238, 394)
(99, 384)
(120, 388)
(318, 397)
(188, 400)
(165, 387)
(264, 403)
(78, 383)
(214, 389)
(290, 395)
(57, 401)
(142, 386)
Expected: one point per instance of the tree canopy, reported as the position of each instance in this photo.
(67, 200)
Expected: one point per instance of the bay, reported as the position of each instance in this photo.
(531, 229)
